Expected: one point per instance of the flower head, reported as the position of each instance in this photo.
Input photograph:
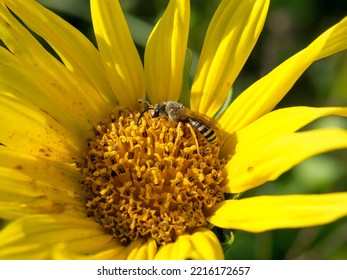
(87, 174)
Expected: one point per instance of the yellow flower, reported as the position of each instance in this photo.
(49, 106)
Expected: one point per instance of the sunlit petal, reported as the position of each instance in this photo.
(111, 249)
(119, 54)
(276, 123)
(266, 160)
(264, 95)
(202, 244)
(33, 90)
(78, 53)
(28, 129)
(231, 36)
(66, 88)
(33, 237)
(165, 53)
(141, 249)
(263, 213)
(55, 189)
(207, 244)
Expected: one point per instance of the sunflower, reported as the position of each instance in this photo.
(87, 173)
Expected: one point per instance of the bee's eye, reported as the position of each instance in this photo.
(155, 113)
(158, 110)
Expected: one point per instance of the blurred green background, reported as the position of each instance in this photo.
(290, 26)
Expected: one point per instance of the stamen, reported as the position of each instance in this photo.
(154, 179)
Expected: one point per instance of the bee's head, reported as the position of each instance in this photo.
(159, 110)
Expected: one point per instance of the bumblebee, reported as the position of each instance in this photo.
(177, 112)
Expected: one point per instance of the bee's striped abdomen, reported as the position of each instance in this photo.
(206, 131)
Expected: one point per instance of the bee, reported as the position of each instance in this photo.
(177, 112)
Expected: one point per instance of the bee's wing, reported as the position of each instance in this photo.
(177, 113)
(203, 119)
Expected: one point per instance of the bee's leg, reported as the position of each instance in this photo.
(195, 138)
(179, 132)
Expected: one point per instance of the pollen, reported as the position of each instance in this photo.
(150, 178)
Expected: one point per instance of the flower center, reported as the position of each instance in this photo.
(151, 177)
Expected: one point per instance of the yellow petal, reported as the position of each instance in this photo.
(141, 249)
(120, 57)
(36, 236)
(56, 188)
(17, 80)
(276, 123)
(149, 251)
(165, 252)
(146, 251)
(30, 130)
(165, 53)
(263, 95)
(340, 38)
(66, 88)
(267, 160)
(77, 52)
(181, 249)
(111, 250)
(208, 245)
(202, 244)
(230, 38)
(263, 213)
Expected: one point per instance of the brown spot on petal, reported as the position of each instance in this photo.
(250, 168)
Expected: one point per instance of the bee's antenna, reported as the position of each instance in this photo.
(142, 113)
(150, 107)
(144, 101)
